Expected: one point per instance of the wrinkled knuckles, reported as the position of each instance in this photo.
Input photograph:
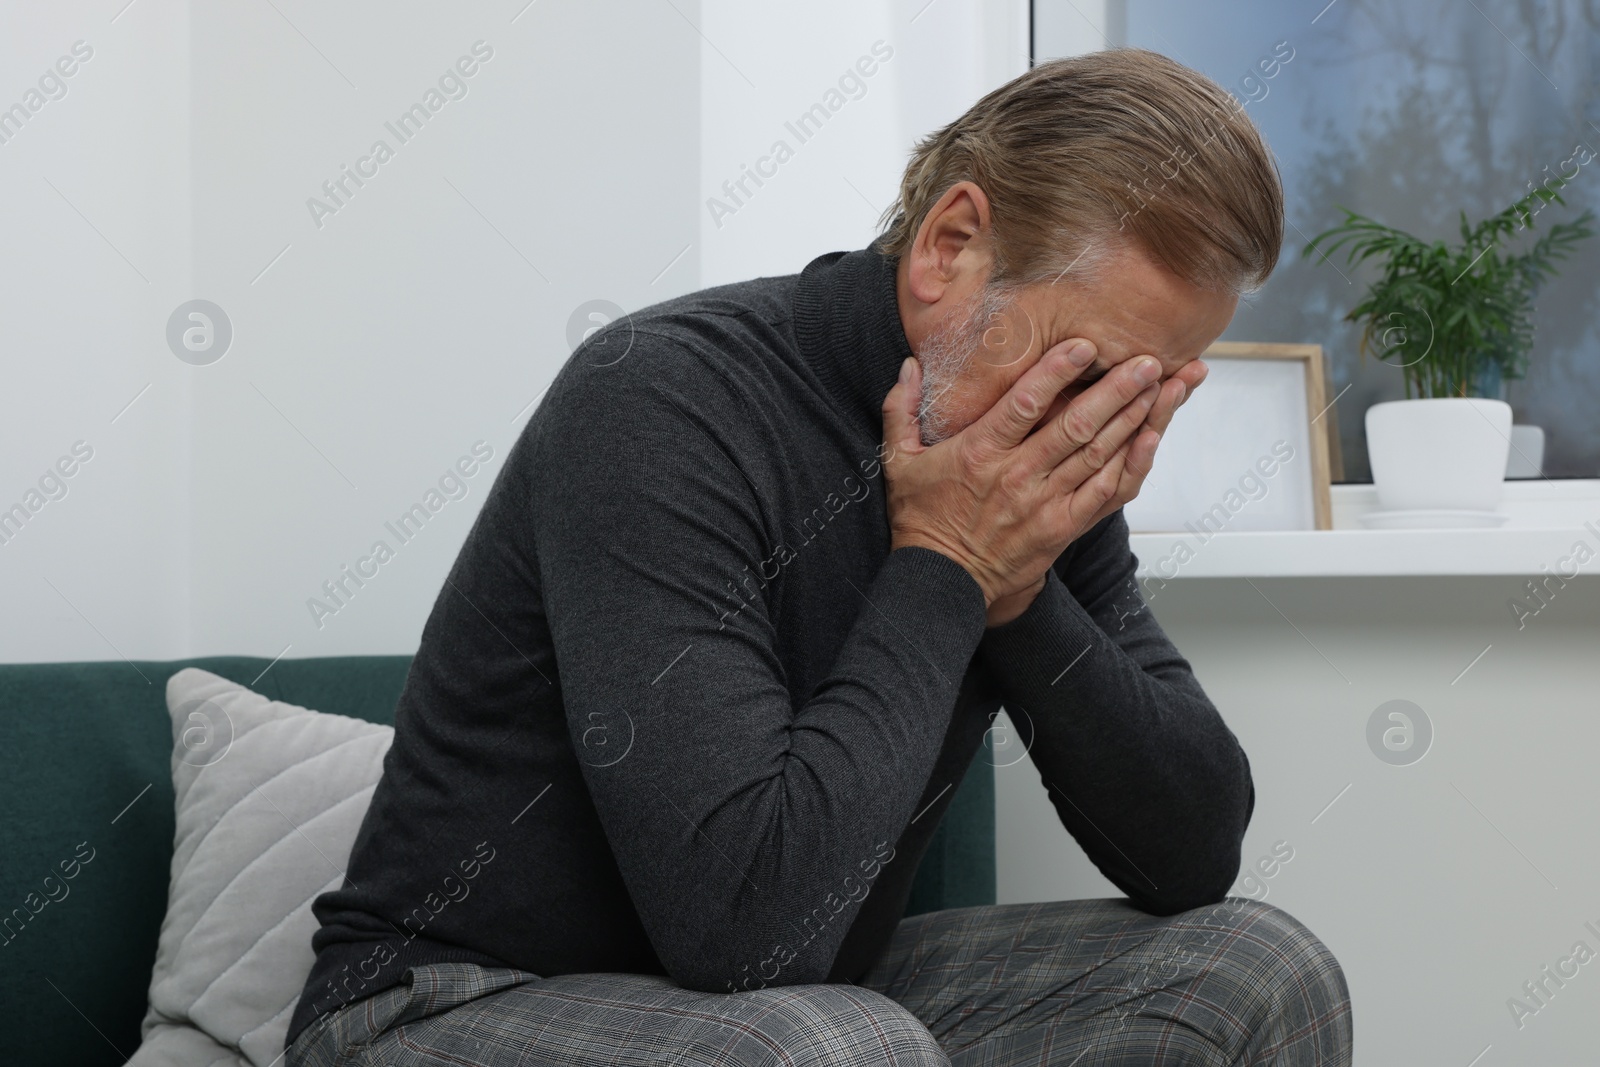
(1097, 453)
(1027, 407)
(1077, 428)
(1014, 481)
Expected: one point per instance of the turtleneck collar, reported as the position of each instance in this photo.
(847, 322)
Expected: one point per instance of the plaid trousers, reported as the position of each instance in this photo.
(1076, 983)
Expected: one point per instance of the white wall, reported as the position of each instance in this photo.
(94, 205)
(1073, 27)
(372, 351)
(762, 69)
(368, 353)
(425, 314)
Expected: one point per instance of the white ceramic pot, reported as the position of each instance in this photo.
(1444, 454)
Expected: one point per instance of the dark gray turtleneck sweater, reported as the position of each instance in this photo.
(679, 710)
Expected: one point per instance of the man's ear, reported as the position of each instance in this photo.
(953, 240)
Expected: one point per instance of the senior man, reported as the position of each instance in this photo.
(743, 602)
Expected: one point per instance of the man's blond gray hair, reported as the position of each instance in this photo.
(1080, 156)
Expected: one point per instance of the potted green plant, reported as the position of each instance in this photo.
(1457, 320)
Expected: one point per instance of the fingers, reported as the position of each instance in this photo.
(1171, 397)
(1114, 485)
(1175, 392)
(1090, 412)
(1113, 436)
(1095, 498)
(1141, 459)
(1010, 420)
(1120, 480)
(902, 431)
(1137, 459)
(1192, 373)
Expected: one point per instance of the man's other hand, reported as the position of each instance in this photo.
(1006, 495)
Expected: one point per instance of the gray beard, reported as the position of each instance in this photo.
(945, 354)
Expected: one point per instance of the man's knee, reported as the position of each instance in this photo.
(1299, 980)
(814, 1025)
(1289, 941)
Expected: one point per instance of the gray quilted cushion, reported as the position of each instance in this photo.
(269, 799)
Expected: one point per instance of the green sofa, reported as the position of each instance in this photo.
(86, 788)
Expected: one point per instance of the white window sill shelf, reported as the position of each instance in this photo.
(1546, 521)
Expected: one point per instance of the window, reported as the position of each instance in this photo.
(1409, 113)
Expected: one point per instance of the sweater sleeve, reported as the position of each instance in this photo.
(1141, 768)
(748, 821)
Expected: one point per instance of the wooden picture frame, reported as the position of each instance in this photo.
(1194, 473)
